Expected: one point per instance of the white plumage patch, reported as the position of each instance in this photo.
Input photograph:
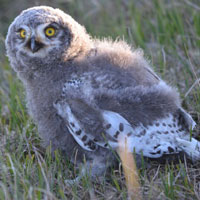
(74, 127)
(191, 148)
(164, 136)
(116, 125)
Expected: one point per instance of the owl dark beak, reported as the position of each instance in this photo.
(34, 45)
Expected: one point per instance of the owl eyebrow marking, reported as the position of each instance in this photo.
(18, 30)
(53, 25)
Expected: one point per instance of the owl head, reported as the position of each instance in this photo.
(42, 35)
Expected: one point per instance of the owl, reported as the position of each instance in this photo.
(89, 97)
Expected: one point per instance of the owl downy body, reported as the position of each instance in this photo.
(89, 96)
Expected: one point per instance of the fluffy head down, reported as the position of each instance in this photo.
(40, 35)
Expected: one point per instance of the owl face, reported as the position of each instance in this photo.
(40, 40)
(37, 36)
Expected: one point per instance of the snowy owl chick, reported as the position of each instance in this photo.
(87, 96)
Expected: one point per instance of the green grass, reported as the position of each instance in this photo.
(169, 34)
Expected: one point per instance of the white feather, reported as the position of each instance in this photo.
(67, 114)
(191, 148)
(164, 136)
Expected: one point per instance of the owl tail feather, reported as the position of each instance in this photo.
(191, 148)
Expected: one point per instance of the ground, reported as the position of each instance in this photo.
(169, 34)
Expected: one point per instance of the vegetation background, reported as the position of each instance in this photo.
(169, 33)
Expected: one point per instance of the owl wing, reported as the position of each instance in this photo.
(92, 123)
(113, 126)
(118, 133)
(90, 126)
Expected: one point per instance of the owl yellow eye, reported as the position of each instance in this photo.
(22, 33)
(49, 32)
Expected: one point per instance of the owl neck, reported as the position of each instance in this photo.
(44, 73)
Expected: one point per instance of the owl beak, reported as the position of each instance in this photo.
(34, 45)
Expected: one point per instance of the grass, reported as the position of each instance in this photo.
(169, 34)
